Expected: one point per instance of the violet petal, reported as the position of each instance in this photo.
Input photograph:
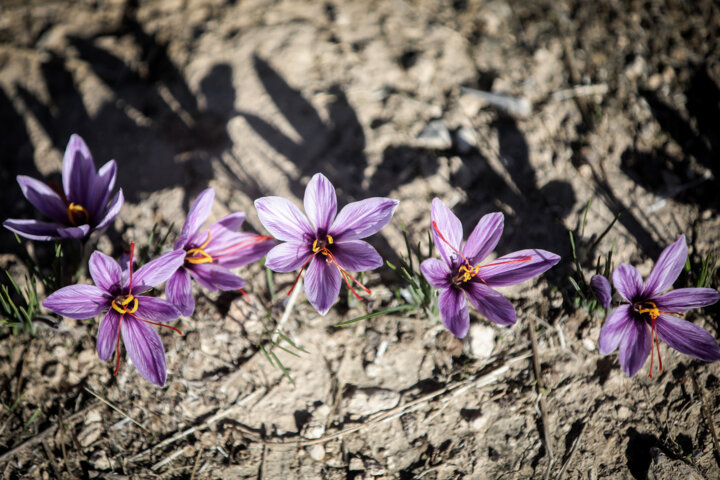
(356, 255)
(483, 240)
(179, 292)
(112, 211)
(687, 338)
(155, 309)
(33, 229)
(105, 272)
(283, 219)
(43, 198)
(684, 299)
(78, 169)
(239, 249)
(100, 190)
(322, 284)
(288, 257)
(613, 329)
(78, 301)
(634, 347)
(454, 311)
(108, 334)
(198, 213)
(603, 292)
(515, 267)
(74, 232)
(221, 232)
(491, 304)
(667, 268)
(215, 277)
(451, 230)
(361, 219)
(157, 271)
(320, 202)
(436, 272)
(627, 281)
(145, 349)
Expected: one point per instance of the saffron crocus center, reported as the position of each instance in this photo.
(125, 304)
(649, 310)
(320, 245)
(198, 254)
(77, 214)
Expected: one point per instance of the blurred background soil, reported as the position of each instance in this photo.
(614, 102)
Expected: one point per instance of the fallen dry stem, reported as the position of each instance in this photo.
(106, 402)
(540, 385)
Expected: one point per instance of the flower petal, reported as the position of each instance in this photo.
(687, 338)
(364, 218)
(78, 301)
(451, 230)
(112, 211)
(667, 268)
(684, 299)
(179, 292)
(515, 267)
(105, 272)
(74, 232)
(100, 189)
(155, 309)
(78, 170)
(627, 281)
(33, 229)
(107, 335)
(454, 311)
(322, 284)
(284, 220)
(356, 255)
(483, 240)
(320, 202)
(157, 271)
(221, 232)
(43, 198)
(490, 303)
(145, 349)
(603, 292)
(613, 329)
(215, 277)
(239, 249)
(198, 213)
(288, 257)
(436, 272)
(635, 345)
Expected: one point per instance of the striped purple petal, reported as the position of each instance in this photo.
(635, 346)
(112, 211)
(43, 198)
(517, 267)
(78, 170)
(483, 240)
(491, 304)
(667, 268)
(687, 338)
(107, 335)
(198, 213)
(320, 202)
(356, 255)
(322, 284)
(603, 292)
(627, 281)
(214, 277)
(157, 271)
(78, 301)
(179, 291)
(33, 229)
(454, 311)
(614, 329)
(105, 272)
(450, 233)
(361, 219)
(283, 219)
(145, 349)
(288, 257)
(684, 299)
(436, 272)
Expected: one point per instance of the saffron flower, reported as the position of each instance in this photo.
(460, 274)
(602, 290)
(128, 313)
(651, 316)
(327, 245)
(211, 253)
(82, 209)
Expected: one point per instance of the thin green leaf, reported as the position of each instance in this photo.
(399, 308)
(284, 337)
(282, 367)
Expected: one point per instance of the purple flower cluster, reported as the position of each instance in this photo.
(326, 245)
(636, 327)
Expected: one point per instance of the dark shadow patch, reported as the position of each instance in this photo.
(638, 452)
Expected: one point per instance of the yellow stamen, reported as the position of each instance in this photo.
(77, 212)
(122, 307)
(315, 246)
(199, 255)
(468, 272)
(330, 239)
(653, 310)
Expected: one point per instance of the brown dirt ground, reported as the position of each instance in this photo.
(252, 98)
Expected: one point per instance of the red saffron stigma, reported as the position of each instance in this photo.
(155, 323)
(239, 246)
(442, 237)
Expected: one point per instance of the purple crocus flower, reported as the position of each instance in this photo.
(128, 312)
(212, 252)
(626, 327)
(84, 206)
(602, 290)
(328, 245)
(460, 272)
